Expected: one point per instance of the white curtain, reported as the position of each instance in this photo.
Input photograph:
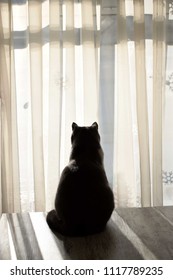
(136, 116)
(47, 50)
(134, 57)
(82, 61)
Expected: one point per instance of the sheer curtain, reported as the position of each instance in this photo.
(137, 63)
(47, 50)
(84, 61)
(135, 54)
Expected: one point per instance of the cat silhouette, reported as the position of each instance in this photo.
(84, 200)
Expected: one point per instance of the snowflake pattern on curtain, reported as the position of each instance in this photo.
(167, 177)
(169, 82)
(171, 8)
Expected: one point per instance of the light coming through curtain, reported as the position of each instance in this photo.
(64, 61)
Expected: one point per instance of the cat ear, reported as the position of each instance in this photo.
(95, 125)
(74, 125)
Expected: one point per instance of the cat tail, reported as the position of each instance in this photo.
(54, 222)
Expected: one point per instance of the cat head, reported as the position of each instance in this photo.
(86, 136)
(75, 126)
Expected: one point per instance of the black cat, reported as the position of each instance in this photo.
(84, 201)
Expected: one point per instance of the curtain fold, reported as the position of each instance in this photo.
(10, 191)
(89, 63)
(142, 107)
(69, 77)
(125, 188)
(55, 101)
(36, 78)
(159, 62)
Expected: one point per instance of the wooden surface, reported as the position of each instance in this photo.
(132, 233)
